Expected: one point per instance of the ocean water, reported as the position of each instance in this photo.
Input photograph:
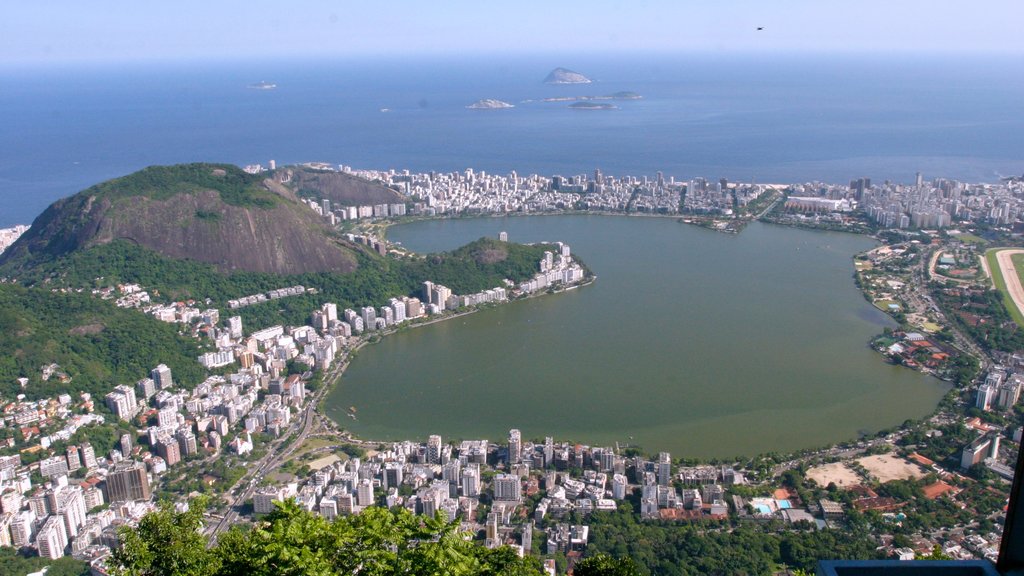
(745, 118)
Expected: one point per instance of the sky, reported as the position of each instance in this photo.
(76, 31)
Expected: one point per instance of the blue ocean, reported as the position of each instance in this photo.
(745, 118)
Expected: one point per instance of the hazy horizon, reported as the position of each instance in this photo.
(67, 32)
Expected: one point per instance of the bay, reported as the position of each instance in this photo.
(692, 341)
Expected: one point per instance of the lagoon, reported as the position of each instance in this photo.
(691, 341)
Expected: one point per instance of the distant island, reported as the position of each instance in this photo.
(566, 76)
(263, 85)
(489, 104)
(615, 96)
(592, 106)
(626, 95)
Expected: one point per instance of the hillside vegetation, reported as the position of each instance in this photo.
(94, 342)
(212, 213)
(477, 266)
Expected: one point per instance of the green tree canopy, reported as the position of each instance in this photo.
(295, 542)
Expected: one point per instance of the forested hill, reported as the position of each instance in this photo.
(212, 213)
(57, 320)
(95, 343)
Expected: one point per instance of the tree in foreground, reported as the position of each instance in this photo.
(295, 542)
(166, 543)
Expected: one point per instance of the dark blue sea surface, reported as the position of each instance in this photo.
(767, 119)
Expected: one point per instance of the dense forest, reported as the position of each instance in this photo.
(718, 548)
(235, 187)
(95, 343)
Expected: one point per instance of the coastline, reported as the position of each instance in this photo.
(382, 227)
(329, 386)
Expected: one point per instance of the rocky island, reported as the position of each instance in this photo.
(489, 104)
(566, 76)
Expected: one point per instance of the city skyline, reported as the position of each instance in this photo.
(64, 32)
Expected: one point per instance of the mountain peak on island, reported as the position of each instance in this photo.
(566, 76)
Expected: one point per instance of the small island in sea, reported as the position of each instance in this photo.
(263, 85)
(566, 76)
(615, 96)
(593, 106)
(489, 104)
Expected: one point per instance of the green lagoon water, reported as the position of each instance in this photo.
(700, 343)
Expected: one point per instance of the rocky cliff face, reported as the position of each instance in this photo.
(340, 188)
(210, 213)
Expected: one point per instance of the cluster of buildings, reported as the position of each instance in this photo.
(916, 350)
(1000, 391)
(337, 213)
(63, 514)
(720, 198)
(923, 205)
(560, 271)
(52, 503)
(222, 412)
(264, 297)
(9, 235)
(477, 192)
(174, 423)
(461, 479)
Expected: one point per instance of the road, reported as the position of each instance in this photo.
(275, 455)
(770, 207)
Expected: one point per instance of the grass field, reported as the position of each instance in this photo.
(1000, 283)
(970, 238)
(883, 305)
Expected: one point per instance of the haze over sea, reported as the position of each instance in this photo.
(771, 119)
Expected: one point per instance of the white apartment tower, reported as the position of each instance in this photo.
(434, 449)
(664, 468)
(515, 446)
(162, 376)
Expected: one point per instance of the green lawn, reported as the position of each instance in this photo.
(970, 238)
(883, 305)
(1000, 283)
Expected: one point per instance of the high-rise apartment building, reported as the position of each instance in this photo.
(127, 480)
